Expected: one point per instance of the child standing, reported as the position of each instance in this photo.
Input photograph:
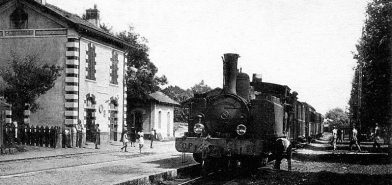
(141, 140)
(125, 142)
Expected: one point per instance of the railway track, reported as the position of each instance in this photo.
(193, 177)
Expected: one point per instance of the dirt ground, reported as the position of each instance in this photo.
(355, 172)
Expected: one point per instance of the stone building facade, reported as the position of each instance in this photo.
(91, 87)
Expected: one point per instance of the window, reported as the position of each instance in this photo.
(114, 68)
(19, 19)
(90, 69)
(168, 124)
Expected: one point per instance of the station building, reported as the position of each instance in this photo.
(91, 87)
(156, 113)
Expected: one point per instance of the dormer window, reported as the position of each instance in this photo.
(18, 19)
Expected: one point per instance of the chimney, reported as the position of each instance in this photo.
(92, 15)
(43, 2)
(230, 72)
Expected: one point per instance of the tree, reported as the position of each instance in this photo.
(177, 93)
(106, 28)
(338, 117)
(26, 79)
(143, 80)
(200, 88)
(180, 95)
(373, 60)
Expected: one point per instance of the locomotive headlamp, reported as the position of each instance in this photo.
(241, 129)
(198, 128)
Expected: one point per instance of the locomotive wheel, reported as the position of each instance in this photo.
(198, 157)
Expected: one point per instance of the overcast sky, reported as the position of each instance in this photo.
(305, 44)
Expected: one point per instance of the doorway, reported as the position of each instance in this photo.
(136, 120)
(90, 125)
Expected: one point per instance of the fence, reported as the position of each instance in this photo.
(30, 135)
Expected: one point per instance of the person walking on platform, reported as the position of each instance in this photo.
(125, 142)
(153, 134)
(141, 140)
(354, 139)
(376, 136)
(97, 136)
(334, 137)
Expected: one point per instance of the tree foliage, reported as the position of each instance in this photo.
(27, 79)
(337, 117)
(177, 93)
(373, 58)
(141, 78)
(200, 88)
(181, 95)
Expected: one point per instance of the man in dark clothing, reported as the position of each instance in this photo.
(376, 136)
(282, 150)
(354, 138)
(153, 134)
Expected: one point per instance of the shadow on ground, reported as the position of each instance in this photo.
(174, 162)
(348, 158)
(319, 178)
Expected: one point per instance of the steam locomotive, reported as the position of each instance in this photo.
(238, 125)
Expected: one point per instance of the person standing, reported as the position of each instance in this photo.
(354, 139)
(153, 134)
(141, 140)
(97, 136)
(125, 142)
(282, 150)
(376, 136)
(79, 134)
(334, 137)
(340, 134)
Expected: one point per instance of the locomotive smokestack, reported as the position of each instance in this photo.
(230, 72)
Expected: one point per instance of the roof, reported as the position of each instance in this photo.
(160, 97)
(82, 26)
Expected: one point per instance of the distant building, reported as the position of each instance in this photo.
(155, 113)
(91, 87)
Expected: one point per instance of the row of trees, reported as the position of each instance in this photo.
(370, 99)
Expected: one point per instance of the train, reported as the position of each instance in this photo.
(239, 124)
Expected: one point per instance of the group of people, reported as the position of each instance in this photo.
(131, 136)
(337, 135)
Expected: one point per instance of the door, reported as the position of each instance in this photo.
(90, 125)
(138, 121)
(113, 125)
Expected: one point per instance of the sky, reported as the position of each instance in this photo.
(305, 44)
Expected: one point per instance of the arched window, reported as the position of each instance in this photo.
(19, 19)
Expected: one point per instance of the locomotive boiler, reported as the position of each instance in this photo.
(239, 124)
